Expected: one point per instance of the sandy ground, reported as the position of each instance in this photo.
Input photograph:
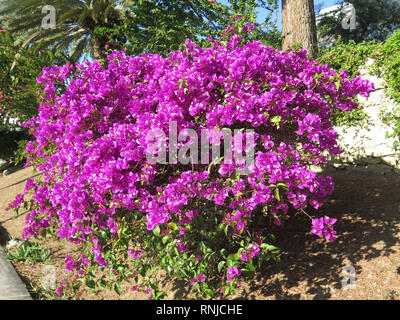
(10, 186)
(368, 210)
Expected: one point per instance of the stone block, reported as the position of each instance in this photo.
(391, 160)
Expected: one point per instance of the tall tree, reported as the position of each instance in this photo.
(158, 26)
(82, 26)
(298, 25)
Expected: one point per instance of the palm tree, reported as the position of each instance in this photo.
(82, 26)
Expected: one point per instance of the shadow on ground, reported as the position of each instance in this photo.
(368, 211)
(4, 236)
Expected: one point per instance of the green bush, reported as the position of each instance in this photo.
(387, 58)
(351, 57)
(387, 65)
(10, 141)
(19, 68)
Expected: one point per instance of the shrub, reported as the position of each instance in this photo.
(204, 223)
(19, 68)
(10, 141)
(351, 57)
(387, 64)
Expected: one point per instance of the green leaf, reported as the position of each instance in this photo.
(226, 230)
(277, 194)
(172, 225)
(272, 236)
(196, 287)
(276, 120)
(237, 256)
(156, 230)
(337, 84)
(160, 295)
(223, 252)
(269, 247)
(165, 239)
(283, 185)
(250, 266)
(221, 265)
(117, 288)
(90, 283)
(227, 291)
(209, 292)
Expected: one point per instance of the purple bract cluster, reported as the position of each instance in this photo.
(93, 121)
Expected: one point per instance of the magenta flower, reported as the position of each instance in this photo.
(244, 257)
(59, 291)
(148, 291)
(19, 199)
(324, 227)
(70, 264)
(277, 222)
(135, 254)
(254, 250)
(84, 260)
(232, 273)
(201, 278)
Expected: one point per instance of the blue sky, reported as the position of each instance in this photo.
(262, 13)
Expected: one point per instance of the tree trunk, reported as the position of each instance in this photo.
(97, 48)
(298, 25)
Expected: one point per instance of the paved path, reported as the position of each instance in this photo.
(11, 286)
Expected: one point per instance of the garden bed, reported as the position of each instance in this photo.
(368, 212)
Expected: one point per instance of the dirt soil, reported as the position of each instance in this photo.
(368, 211)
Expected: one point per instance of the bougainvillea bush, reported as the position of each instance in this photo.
(203, 223)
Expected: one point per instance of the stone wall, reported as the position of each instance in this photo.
(366, 147)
